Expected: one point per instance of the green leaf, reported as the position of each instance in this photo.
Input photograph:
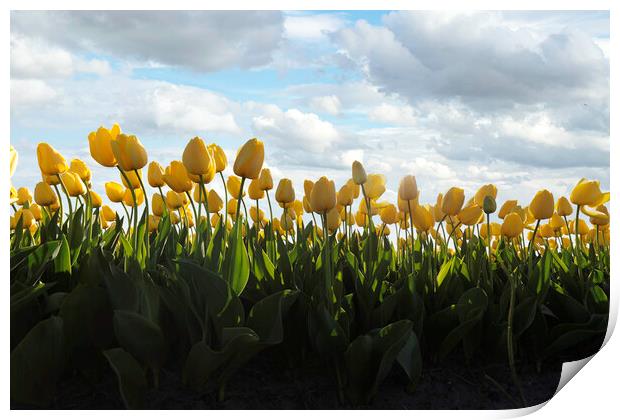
(140, 337)
(131, 377)
(37, 363)
(237, 263)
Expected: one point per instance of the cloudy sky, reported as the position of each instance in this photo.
(520, 99)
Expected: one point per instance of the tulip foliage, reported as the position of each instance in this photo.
(187, 281)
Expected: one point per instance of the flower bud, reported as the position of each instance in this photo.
(51, 162)
(285, 193)
(541, 206)
(323, 197)
(249, 160)
(358, 173)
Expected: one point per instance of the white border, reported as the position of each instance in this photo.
(591, 394)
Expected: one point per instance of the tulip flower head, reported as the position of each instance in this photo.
(249, 160)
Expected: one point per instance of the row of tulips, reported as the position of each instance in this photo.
(188, 277)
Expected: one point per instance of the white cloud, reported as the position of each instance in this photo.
(329, 104)
(312, 27)
(189, 109)
(200, 40)
(36, 59)
(293, 129)
(27, 92)
(421, 165)
(393, 114)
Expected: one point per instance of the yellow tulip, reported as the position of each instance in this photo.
(50, 179)
(345, 196)
(308, 185)
(556, 222)
(484, 191)
(231, 208)
(582, 227)
(221, 162)
(323, 197)
(26, 216)
(200, 196)
(285, 194)
(438, 213)
(108, 214)
(470, 215)
(423, 219)
(598, 216)
(153, 223)
(175, 176)
(95, 199)
(264, 180)
(254, 190)
(408, 188)
(51, 162)
(541, 206)
(507, 208)
(130, 154)
(512, 226)
(249, 160)
(588, 193)
(114, 191)
(198, 160)
(374, 186)
(563, 207)
(23, 196)
(298, 208)
(257, 215)
(73, 183)
(13, 159)
(215, 202)
(307, 205)
(100, 144)
(174, 218)
(333, 220)
(453, 201)
(156, 175)
(79, 167)
(360, 219)
(128, 198)
(44, 195)
(134, 181)
(284, 224)
(547, 231)
(157, 204)
(233, 185)
(355, 188)
(358, 173)
(174, 200)
(389, 214)
(35, 209)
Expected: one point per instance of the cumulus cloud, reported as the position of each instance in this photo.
(30, 92)
(329, 104)
(477, 57)
(312, 27)
(199, 40)
(393, 114)
(293, 129)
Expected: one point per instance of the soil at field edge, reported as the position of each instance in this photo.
(268, 383)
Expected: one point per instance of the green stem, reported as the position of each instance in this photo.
(146, 208)
(225, 201)
(239, 199)
(64, 189)
(134, 209)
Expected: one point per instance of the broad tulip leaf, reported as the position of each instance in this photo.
(131, 377)
(37, 363)
(237, 264)
(140, 337)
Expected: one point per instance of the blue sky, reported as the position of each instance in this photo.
(520, 99)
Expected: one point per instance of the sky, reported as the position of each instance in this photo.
(518, 99)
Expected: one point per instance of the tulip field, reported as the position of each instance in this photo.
(197, 285)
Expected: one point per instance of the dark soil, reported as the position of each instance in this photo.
(268, 383)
